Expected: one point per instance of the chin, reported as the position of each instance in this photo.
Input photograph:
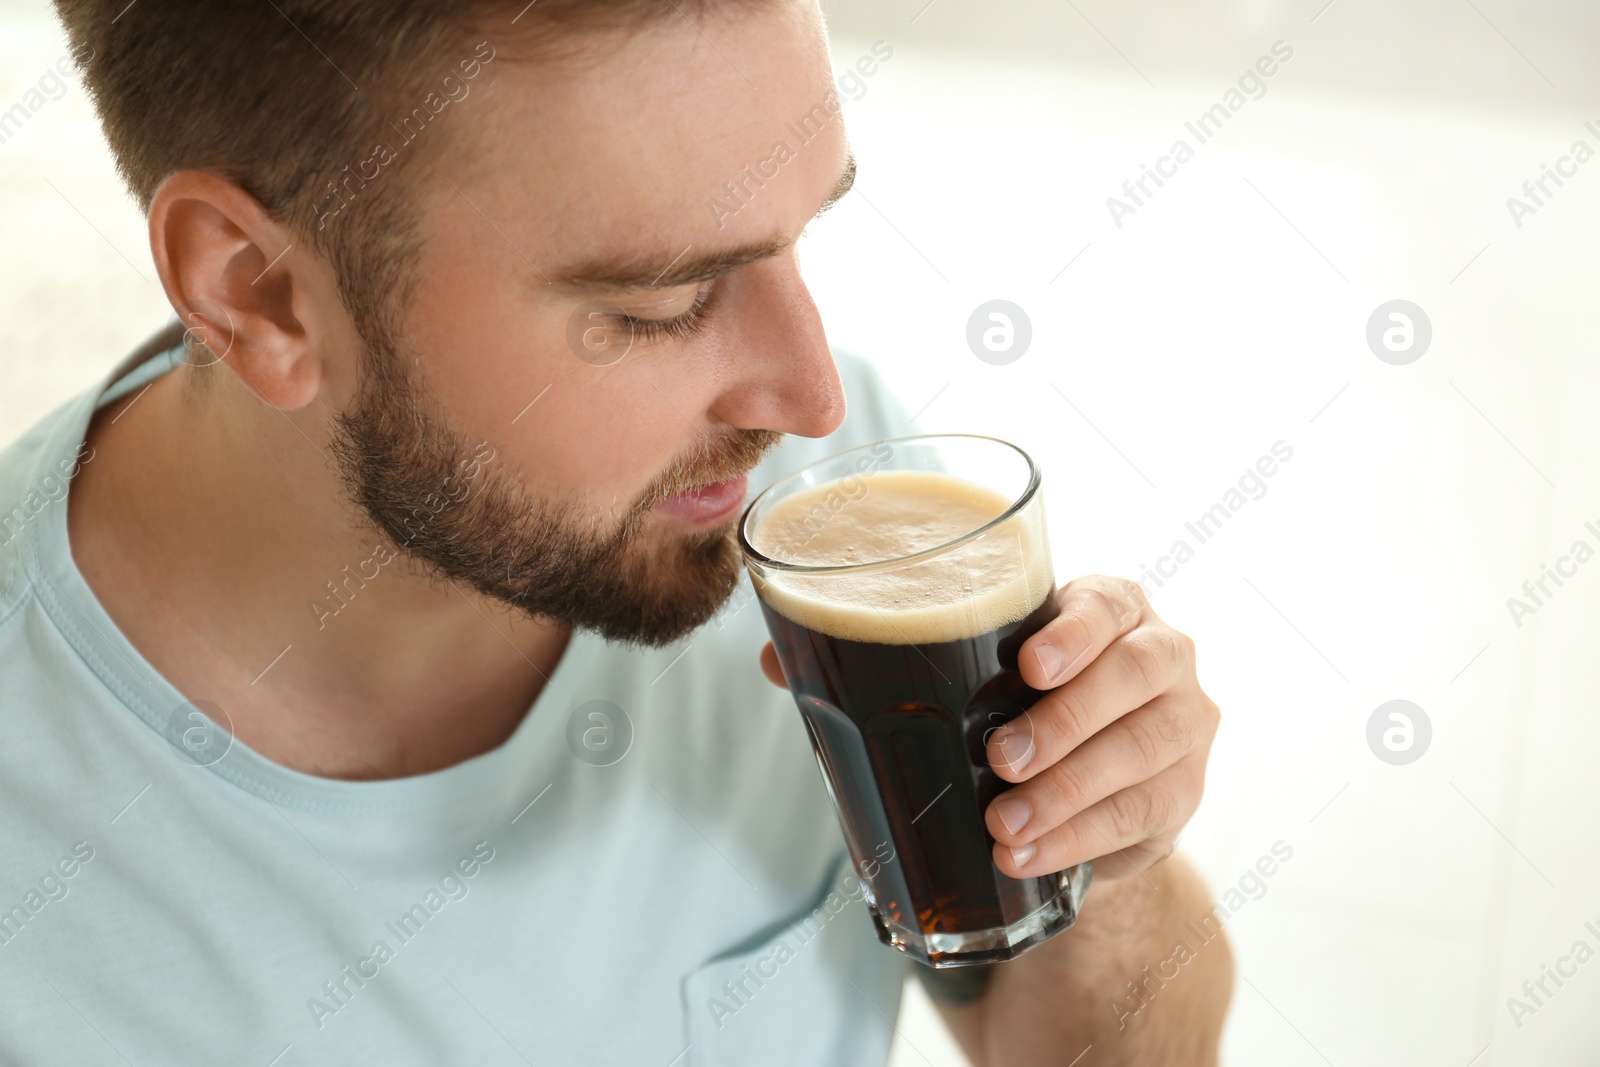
(682, 583)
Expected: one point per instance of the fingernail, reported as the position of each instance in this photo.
(1022, 854)
(1016, 749)
(1050, 661)
(1013, 813)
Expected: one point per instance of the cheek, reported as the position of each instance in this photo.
(499, 364)
(592, 445)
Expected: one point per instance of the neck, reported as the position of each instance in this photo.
(330, 651)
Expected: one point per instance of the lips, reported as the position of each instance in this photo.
(707, 505)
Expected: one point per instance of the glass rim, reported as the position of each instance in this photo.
(1023, 499)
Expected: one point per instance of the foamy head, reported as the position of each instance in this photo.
(971, 589)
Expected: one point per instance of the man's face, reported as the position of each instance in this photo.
(603, 334)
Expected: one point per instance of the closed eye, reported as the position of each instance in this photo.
(676, 328)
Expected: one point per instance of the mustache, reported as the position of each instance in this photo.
(714, 460)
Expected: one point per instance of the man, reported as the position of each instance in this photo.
(370, 701)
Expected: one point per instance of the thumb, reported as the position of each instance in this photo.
(770, 666)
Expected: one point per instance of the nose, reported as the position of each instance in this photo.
(779, 373)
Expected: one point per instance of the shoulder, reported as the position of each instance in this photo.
(37, 469)
(33, 483)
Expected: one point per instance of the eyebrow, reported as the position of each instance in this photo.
(635, 273)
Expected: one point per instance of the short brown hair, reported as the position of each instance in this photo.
(283, 97)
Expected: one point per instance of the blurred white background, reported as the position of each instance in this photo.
(1228, 313)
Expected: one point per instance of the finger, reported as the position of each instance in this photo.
(1133, 749)
(1136, 669)
(1094, 611)
(1152, 811)
(771, 667)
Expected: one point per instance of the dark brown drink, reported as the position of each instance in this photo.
(901, 668)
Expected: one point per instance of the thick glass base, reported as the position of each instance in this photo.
(995, 944)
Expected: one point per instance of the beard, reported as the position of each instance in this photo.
(450, 509)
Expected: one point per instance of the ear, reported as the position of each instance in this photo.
(244, 285)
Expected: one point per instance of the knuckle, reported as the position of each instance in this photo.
(1161, 811)
(1104, 601)
(1185, 646)
(1137, 811)
(1073, 838)
(1176, 727)
(1072, 625)
(1145, 734)
(1071, 724)
(1069, 789)
(1151, 655)
(1132, 594)
(1169, 643)
(1127, 809)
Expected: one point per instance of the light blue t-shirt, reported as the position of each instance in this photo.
(679, 896)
